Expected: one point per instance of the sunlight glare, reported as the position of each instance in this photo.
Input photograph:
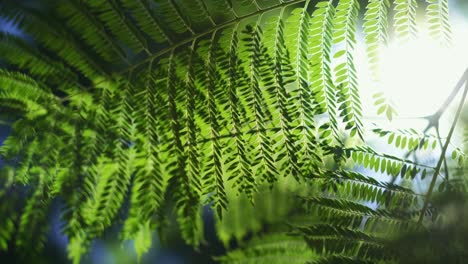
(419, 75)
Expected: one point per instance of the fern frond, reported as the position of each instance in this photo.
(214, 171)
(184, 104)
(149, 182)
(266, 169)
(111, 188)
(80, 18)
(389, 164)
(375, 28)
(301, 110)
(352, 214)
(345, 72)
(148, 21)
(384, 106)
(115, 18)
(58, 39)
(187, 193)
(408, 139)
(358, 187)
(282, 75)
(16, 51)
(275, 248)
(437, 13)
(33, 226)
(240, 166)
(172, 15)
(345, 241)
(321, 28)
(405, 19)
(37, 98)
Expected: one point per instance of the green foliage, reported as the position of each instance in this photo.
(175, 105)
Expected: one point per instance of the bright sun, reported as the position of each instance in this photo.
(419, 75)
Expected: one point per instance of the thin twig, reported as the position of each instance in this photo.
(447, 142)
(434, 119)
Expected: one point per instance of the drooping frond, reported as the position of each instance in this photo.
(405, 18)
(214, 171)
(375, 28)
(282, 74)
(438, 21)
(349, 104)
(320, 51)
(303, 111)
(33, 220)
(240, 164)
(149, 181)
(263, 153)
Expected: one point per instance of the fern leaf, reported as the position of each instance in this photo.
(408, 139)
(33, 221)
(148, 21)
(61, 41)
(186, 196)
(385, 163)
(173, 16)
(117, 21)
(345, 72)
(17, 52)
(405, 18)
(266, 169)
(437, 13)
(323, 90)
(37, 98)
(375, 29)
(384, 107)
(198, 14)
(348, 213)
(297, 40)
(275, 248)
(239, 167)
(111, 188)
(214, 171)
(342, 240)
(282, 74)
(355, 186)
(149, 183)
(93, 31)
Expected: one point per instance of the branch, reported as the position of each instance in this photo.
(447, 142)
(434, 119)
